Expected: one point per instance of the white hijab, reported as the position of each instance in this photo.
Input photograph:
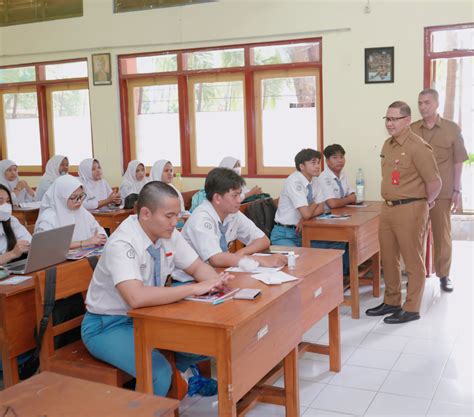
(23, 197)
(54, 211)
(95, 190)
(130, 184)
(229, 162)
(156, 174)
(50, 174)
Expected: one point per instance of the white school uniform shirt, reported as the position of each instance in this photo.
(157, 172)
(23, 196)
(202, 232)
(329, 185)
(295, 195)
(95, 190)
(18, 229)
(125, 257)
(130, 184)
(50, 174)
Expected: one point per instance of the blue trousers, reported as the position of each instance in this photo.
(287, 236)
(111, 339)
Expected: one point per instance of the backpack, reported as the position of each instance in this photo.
(255, 197)
(197, 199)
(262, 213)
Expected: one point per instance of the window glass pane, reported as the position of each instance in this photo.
(22, 128)
(286, 103)
(157, 134)
(214, 59)
(285, 54)
(17, 75)
(220, 121)
(149, 64)
(452, 40)
(72, 124)
(67, 70)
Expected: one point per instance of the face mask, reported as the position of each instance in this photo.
(62, 173)
(237, 170)
(5, 212)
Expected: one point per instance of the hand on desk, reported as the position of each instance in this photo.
(210, 285)
(272, 261)
(97, 239)
(21, 247)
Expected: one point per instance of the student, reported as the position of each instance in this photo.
(14, 238)
(301, 199)
(162, 170)
(133, 180)
(336, 189)
(56, 166)
(234, 164)
(62, 205)
(132, 273)
(20, 191)
(98, 190)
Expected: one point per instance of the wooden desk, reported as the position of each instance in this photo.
(111, 219)
(372, 206)
(361, 232)
(247, 339)
(26, 216)
(53, 395)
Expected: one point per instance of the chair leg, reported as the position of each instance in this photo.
(179, 387)
(205, 368)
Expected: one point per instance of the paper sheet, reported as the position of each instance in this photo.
(15, 280)
(274, 278)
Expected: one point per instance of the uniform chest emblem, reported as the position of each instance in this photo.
(208, 225)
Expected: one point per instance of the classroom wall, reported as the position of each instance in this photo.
(352, 110)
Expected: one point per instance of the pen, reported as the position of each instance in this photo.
(221, 301)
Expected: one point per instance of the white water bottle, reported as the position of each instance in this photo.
(360, 186)
(291, 260)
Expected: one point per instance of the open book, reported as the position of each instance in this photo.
(76, 254)
(331, 216)
(215, 296)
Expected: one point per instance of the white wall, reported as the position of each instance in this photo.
(352, 110)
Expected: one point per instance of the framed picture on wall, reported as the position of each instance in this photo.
(101, 69)
(379, 65)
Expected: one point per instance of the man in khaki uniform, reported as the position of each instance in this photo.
(410, 184)
(448, 146)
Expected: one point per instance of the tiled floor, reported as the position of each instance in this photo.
(423, 368)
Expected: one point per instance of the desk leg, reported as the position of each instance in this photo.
(10, 371)
(292, 395)
(334, 341)
(143, 360)
(227, 405)
(376, 274)
(354, 280)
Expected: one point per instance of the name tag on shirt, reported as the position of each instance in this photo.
(395, 177)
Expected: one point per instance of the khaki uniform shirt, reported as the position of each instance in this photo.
(448, 147)
(413, 158)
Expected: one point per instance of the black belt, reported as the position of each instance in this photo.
(290, 226)
(392, 203)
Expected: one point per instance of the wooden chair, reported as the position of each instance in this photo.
(187, 198)
(73, 359)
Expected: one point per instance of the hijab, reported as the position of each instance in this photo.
(130, 184)
(50, 174)
(156, 174)
(23, 197)
(95, 189)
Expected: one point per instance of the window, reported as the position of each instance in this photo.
(43, 117)
(198, 106)
(134, 5)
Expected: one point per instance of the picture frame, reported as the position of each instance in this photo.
(101, 69)
(379, 65)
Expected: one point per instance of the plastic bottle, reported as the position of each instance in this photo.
(291, 260)
(360, 186)
(178, 181)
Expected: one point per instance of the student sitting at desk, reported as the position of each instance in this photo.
(56, 166)
(98, 190)
(218, 221)
(20, 191)
(336, 189)
(234, 164)
(14, 238)
(133, 180)
(132, 273)
(62, 205)
(162, 170)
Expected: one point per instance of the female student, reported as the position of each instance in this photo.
(134, 179)
(62, 205)
(234, 164)
(20, 191)
(162, 170)
(98, 190)
(14, 238)
(56, 166)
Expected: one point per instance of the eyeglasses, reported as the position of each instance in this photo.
(393, 119)
(78, 198)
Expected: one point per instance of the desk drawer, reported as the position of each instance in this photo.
(321, 292)
(262, 343)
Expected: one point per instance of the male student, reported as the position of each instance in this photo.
(132, 273)
(218, 221)
(336, 189)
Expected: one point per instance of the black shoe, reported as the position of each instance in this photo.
(382, 309)
(401, 316)
(446, 284)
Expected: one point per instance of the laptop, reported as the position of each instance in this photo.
(47, 248)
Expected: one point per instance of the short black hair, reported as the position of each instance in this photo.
(334, 149)
(404, 107)
(152, 195)
(306, 155)
(221, 181)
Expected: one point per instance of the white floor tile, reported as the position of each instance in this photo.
(455, 391)
(420, 364)
(313, 412)
(346, 352)
(370, 358)
(385, 342)
(458, 367)
(358, 377)
(308, 390)
(411, 385)
(270, 410)
(315, 371)
(418, 346)
(343, 400)
(315, 333)
(450, 409)
(397, 405)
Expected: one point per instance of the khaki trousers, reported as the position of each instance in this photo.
(401, 232)
(440, 216)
